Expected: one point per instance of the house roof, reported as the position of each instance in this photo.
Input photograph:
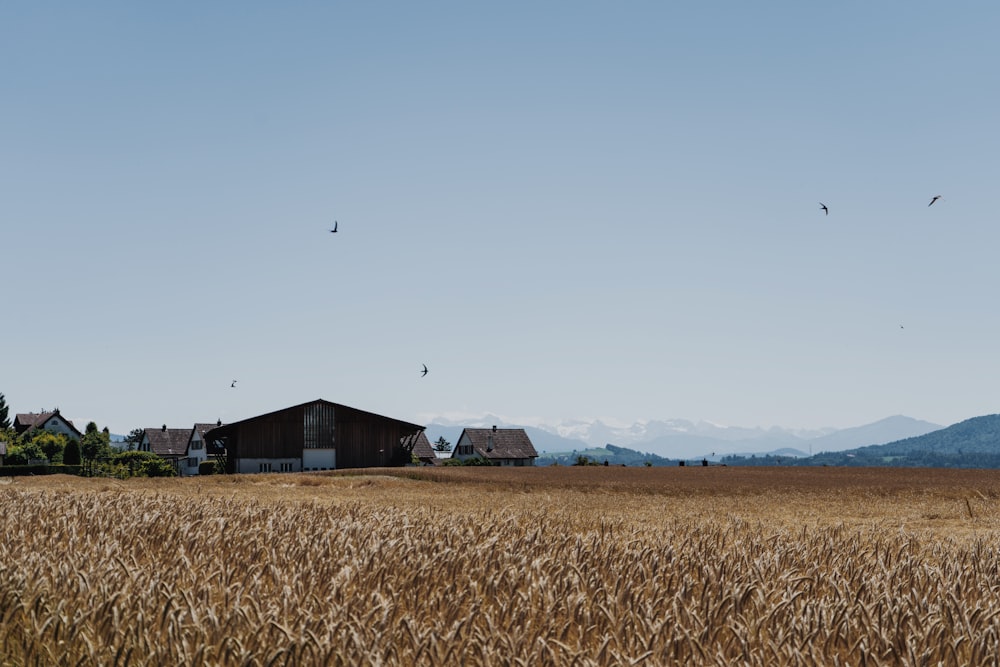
(168, 441)
(25, 421)
(507, 443)
(32, 419)
(421, 446)
(202, 429)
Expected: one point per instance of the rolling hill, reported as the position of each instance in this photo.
(973, 443)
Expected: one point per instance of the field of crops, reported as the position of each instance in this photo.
(482, 566)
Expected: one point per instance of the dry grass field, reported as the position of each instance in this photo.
(486, 566)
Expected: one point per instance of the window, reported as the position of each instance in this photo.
(286, 467)
(197, 443)
(318, 426)
(265, 467)
(193, 462)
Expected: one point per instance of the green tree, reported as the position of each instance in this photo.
(95, 444)
(442, 445)
(71, 454)
(4, 414)
(133, 439)
(24, 454)
(52, 444)
(9, 436)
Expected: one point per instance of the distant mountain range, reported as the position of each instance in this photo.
(973, 443)
(681, 439)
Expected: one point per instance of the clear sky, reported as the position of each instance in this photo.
(566, 210)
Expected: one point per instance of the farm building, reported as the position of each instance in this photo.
(318, 435)
(183, 447)
(167, 443)
(421, 448)
(502, 447)
(53, 422)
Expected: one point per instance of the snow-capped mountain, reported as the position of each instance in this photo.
(679, 438)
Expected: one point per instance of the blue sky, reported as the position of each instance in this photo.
(566, 210)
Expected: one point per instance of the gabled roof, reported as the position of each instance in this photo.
(26, 421)
(169, 441)
(421, 446)
(415, 427)
(202, 429)
(507, 443)
(31, 419)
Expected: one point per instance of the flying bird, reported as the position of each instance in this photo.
(934, 199)
(424, 371)
(825, 209)
(334, 230)
(233, 385)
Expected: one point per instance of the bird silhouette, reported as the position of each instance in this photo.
(825, 209)
(934, 199)
(334, 230)
(424, 371)
(233, 385)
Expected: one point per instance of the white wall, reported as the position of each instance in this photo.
(196, 450)
(56, 424)
(269, 465)
(462, 442)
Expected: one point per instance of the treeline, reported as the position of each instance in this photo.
(613, 455)
(889, 458)
(40, 452)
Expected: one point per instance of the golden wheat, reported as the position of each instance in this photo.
(497, 568)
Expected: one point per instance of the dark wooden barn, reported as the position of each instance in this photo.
(318, 435)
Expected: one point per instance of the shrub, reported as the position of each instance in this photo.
(71, 454)
(143, 464)
(477, 461)
(208, 467)
(158, 468)
(23, 454)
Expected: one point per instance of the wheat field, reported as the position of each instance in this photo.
(547, 566)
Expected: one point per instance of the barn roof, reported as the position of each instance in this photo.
(421, 446)
(168, 441)
(415, 427)
(507, 443)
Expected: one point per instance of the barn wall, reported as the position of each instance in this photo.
(366, 441)
(276, 436)
(316, 432)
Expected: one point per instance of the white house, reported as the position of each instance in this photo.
(184, 447)
(196, 450)
(503, 447)
(53, 422)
